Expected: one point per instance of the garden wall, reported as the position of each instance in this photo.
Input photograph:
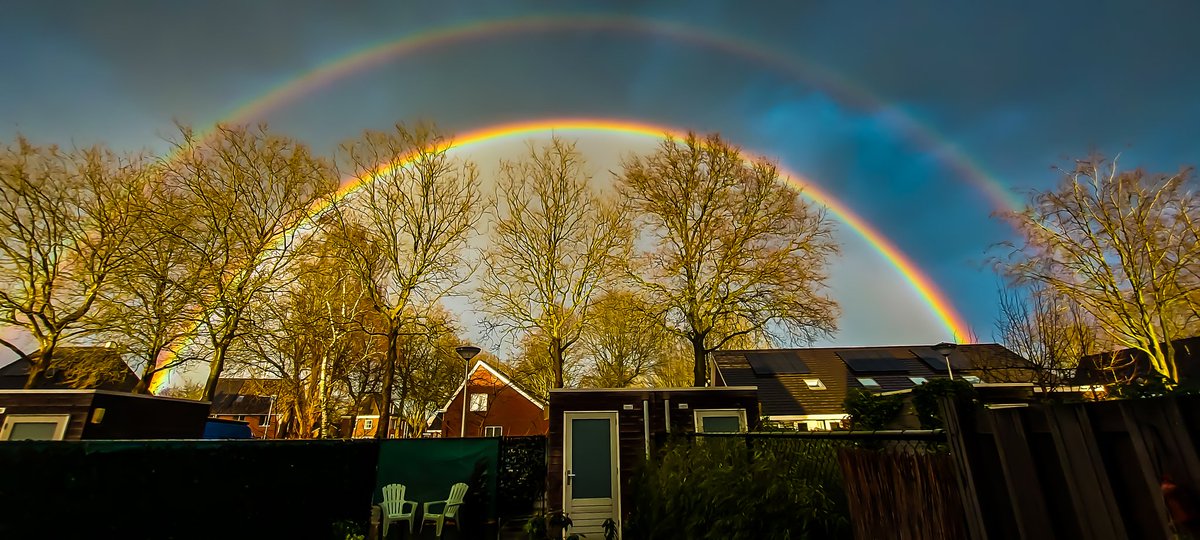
(216, 489)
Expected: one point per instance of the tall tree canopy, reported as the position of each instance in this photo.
(1125, 247)
(556, 244)
(733, 250)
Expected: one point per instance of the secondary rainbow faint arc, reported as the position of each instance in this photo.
(918, 281)
(291, 90)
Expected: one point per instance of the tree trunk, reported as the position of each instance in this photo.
(700, 368)
(389, 371)
(214, 370)
(143, 384)
(556, 356)
(39, 364)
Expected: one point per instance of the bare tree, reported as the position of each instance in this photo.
(1123, 246)
(406, 229)
(555, 246)
(150, 307)
(623, 343)
(246, 191)
(534, 370)
(1048, 332)
(64, 217)
(735, 250)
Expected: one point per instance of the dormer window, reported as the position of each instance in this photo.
(868, 382)
(814, 384)
(917, 380)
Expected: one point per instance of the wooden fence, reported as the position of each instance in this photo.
(1101, 470)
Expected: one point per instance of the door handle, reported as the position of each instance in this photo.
(570, 476)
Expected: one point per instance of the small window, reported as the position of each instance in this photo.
(34, 427)
(240, 418)
(368, 424)
(479, 402)
(720, 420)
(814, 384)
(868, 382)
(972, 379)
(917, 380)
(493, 431)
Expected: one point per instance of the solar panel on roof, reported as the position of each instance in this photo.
(767, 363)
(873, 360)
(937, 363)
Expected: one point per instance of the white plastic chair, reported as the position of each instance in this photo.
(393, 507)
(449, 511)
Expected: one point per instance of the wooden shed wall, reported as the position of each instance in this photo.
(132, 416)
(631, 423)
(76, 404)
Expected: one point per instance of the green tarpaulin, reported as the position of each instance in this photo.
(428, 467)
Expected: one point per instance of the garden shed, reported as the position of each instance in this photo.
(598, 436)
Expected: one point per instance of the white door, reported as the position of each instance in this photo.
(591, 492)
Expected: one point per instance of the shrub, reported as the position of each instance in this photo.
(925, 398)
(731, 487)
(872, 411)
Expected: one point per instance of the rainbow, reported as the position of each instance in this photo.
(921, 284)
(377, 54)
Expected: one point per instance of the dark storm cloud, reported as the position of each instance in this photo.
(1017, 86)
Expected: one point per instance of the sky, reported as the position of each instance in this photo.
(922, 118)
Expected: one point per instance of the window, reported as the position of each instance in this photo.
(240, 418)
(479, 402)
(34, 427)
(493, 431)
(972, 379)
(368, 424)
(917, 380)
(720, 420)
(868, 382)
(814, 384)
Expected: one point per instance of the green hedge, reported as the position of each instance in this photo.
(740, 488)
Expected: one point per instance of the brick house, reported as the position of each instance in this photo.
(805, 388)
(365, 424)
(497, 407)
(247, 400)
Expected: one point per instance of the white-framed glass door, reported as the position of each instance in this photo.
(591, 491)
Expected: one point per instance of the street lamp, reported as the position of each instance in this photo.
(466, 353)
(945, 349)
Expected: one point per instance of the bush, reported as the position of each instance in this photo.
(925, 398)
(872, 411)
(718, 488)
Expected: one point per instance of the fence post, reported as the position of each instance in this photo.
(956, 434)
(1096, 509)
(1020, 474)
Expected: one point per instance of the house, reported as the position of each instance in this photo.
(433, 427)
(365, 424)
(99, 368)
(1127, 364)
(248, 400)
(97, 414)
(805, 388)
(598, 437)
(498, 407)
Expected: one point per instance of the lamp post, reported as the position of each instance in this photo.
(466, 353)
(945, 349)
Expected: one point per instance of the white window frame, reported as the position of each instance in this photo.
(479, 402)
(60, 429)
(973, 379)
(918, 380)
(874, 383)
(498, 431)
(700, 414)
(809, 384)
(368, 423)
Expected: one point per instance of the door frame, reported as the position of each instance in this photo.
(614, 434)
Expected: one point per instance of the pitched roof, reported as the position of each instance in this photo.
(780, 374)
(504, 379)
(239, 404)
(1124, 364)
(94, 368)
